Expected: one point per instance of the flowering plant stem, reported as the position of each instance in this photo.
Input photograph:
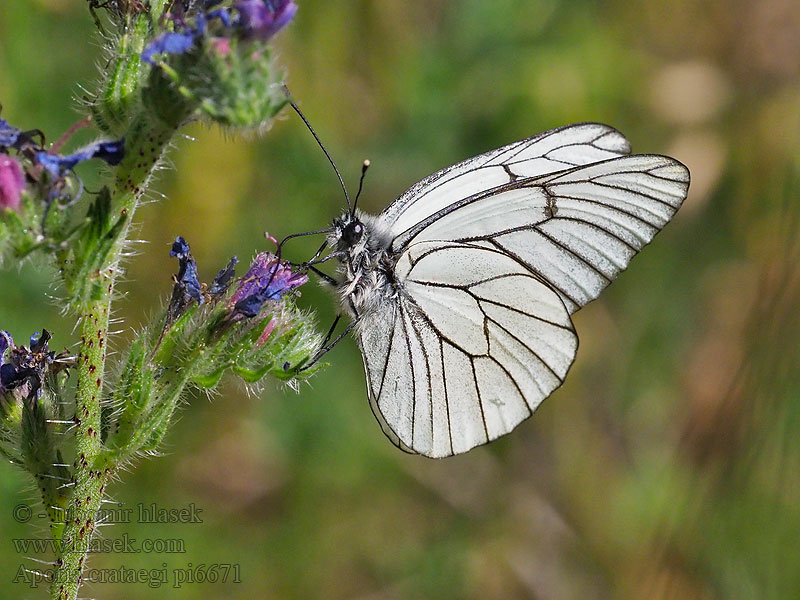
(147, 140)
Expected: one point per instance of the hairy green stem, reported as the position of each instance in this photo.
(121, 86)
(90, 478)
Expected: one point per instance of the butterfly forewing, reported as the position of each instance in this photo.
(576, 229)
(551, 151)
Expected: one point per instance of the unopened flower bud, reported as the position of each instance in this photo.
(12, 182)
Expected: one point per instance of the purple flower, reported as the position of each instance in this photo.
(261, 19)
(12, 182)
(267, 279)
(258, 19)
(111, 152)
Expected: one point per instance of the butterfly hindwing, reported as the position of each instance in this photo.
(474, 343)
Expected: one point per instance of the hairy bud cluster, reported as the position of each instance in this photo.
(247, 326)
(217, 56)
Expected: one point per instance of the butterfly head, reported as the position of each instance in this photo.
(348, 231)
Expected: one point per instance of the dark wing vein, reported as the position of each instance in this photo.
(428, 370)
(600, 228)
(531, 350)
(522, 312)
(573, 253)
(480, 398)
(410, 299)
(533, 270)
(446, 401)
(609, 206)
(478, 282)
(594, 181)
(411, 365)
(404, 238)
(386, 360)
(513, 380)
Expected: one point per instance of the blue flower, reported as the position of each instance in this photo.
(187, 284)
(188, 287)
(111, 152)
(6, 342)
(261, 19)
(267, 279)
(25, 368)
(169, 43)
(187, 271)
(39, 341)
(9, 136)
(223, 279)
(182, 40)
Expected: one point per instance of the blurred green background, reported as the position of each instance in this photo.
(668, 465)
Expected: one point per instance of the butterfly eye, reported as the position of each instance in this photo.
(352, 234)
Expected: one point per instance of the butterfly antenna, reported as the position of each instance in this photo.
(316, 137)
(364, 168)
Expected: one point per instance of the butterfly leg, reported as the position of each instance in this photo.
(324, 276)
(332, 255)
(327, 347)
(305, 265)
(329, 335)
(317, 253)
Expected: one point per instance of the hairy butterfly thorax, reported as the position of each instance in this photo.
(365, 262)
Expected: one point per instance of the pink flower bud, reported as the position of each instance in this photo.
(12, 182)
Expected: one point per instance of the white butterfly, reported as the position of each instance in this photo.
(461, 291)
